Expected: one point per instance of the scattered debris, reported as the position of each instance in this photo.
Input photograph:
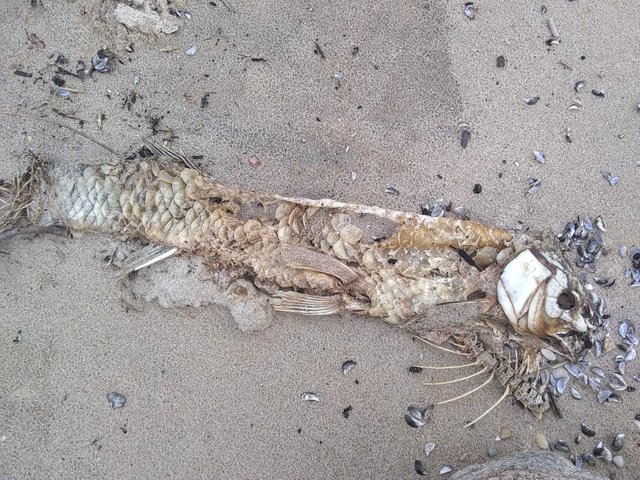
(392, 191)
(348, 366)
(598, 92)
(428, 448)
(612, 179)
(20, 73)
(18, 337)
(470, 10)
(477, 189)
(568, 135)
(116, 400)
(254, 161)
(446, 469)
(419, 467)
(531, 100)
(347, 411)
(533, 186)
(539, 156)
(35, 41)
(555, 35)
(501, 62)
(587, 430)
(318, 50)
(191, 51)
(309, 397)
(417, 417)
(580, 84)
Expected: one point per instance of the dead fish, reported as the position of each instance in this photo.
(470, 10)
(318, 257)
(309, 397)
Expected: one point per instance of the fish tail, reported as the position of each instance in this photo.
(19, 197)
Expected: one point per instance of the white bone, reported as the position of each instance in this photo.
(520, 280)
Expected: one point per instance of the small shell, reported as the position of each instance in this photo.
(428, 448)
(116, 400)
(603, 395)
(587, 430)
(419, 467)
(598, 92)
(413, 422)
(575, 394)
(617, 382)
(470, 10)
(539, 156)
(309, 397)
(618, 442)
(192, 50)
(623, 329)
(579, 85)
(531, 100)
(534, 186)
(392, 191)
(548, 354)
(446, 469)
(348, 366)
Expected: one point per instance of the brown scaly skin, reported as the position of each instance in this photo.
(311, 256)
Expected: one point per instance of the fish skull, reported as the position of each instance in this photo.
(539, 294)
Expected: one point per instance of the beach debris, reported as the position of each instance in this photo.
(147, 20)
(20, 73)
(539, 156)
(531, 100)
(254, 161)
(392, 191)
(541, 441)
(465, 134)
(505, 433)
(604, 395)
(417, 417)
(347, 411)
(477, 188)
(587, 430)
(561, 446)
(580, 84)
(428, 448)
(348, 366)
(600, 451)
(568, 135)
(578, 462)
(576, 105)
(618, 461)
(555, 34)
(415, 369)
(317, 50)
(446, 469)
(309, 397)
(533, 186)
(612, 179)
(618, 442)
(575, 393)
(35, 41)
(116, 400)
(501, 61)
(598, 92)
(470, 10)
(100, 61)
(419, 467)
(18, 337)
(355, 50)
(192, 50)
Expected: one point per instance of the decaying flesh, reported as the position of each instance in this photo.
(319, 257)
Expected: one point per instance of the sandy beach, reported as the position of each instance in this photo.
(333, 100)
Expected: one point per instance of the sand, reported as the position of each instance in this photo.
(204, 399)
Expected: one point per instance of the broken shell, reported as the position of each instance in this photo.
(531, 100)
(561, 446)
(309, 397)
(575, 394)
(603, 395)
(612, 179)
(348, 366)
(392, 191)
(568, 136)
(413, 422)
(617, 382)
(623, 329)
(419, 467)
(470, 10)
(618, 442)
(598, 92)
(428, 448)
(534, 186)
(579, 85)
(192, 50)
(599, 223)
(539, 156)
(446, 469)
(587, 430)
(116, 400)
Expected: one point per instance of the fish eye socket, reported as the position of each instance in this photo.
(566, 300)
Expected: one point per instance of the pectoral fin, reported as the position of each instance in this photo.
(306, 259)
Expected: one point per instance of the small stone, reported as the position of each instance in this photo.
(618, 461)
(501, 61)
(541, 441)
(477, 188)
(505, 433)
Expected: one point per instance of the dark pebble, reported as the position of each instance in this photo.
(419, 467)
(347, 411)
(477, 188)
(587, 430)
(414, 369)
(500, 61)
(465, 136)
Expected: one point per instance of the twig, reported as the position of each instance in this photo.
(34, 230)
(60, 124)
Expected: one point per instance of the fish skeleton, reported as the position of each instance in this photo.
(321, 257)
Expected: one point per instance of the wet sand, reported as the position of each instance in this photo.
(205, 400)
